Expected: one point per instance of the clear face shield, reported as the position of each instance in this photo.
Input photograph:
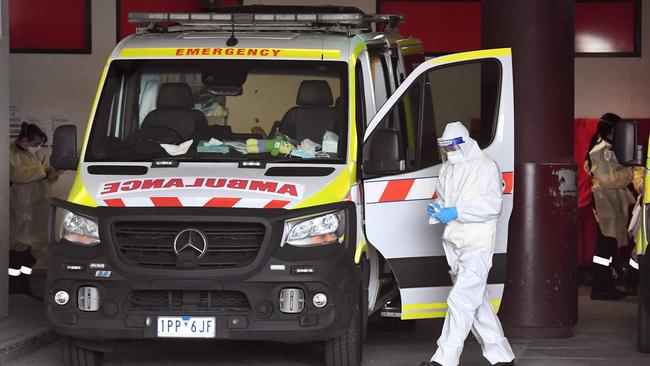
(450, 150)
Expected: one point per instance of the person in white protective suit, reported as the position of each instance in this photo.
(470, 197)
(30, 181)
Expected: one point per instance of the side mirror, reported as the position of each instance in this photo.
(625, 144)
(382, 155)
(64, 148)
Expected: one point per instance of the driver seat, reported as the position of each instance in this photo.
(175, 110)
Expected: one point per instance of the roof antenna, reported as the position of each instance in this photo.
(232, 41)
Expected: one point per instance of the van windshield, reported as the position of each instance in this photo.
(221, 110)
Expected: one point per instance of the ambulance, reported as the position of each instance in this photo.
(264, 174)
(629, 152)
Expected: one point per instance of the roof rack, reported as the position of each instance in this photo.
(349, 23)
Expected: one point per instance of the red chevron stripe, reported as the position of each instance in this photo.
(277, 204)
(396, 190)
(509, 181)
(114, 202)
(222, 202)
(166, 202)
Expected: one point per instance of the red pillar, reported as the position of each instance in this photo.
(540, 297)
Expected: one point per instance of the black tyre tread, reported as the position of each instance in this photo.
(346, 349)
(644, 327)
(77, 356)
(66, 353)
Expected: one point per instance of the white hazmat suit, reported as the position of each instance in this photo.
(472, 184)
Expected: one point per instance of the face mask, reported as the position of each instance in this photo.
(302, 154)
(455, 157)
(34, 149)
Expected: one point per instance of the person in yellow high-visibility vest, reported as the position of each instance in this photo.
(29, 199)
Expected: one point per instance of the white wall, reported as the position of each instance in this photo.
(4, 158)
(46, 86)
(616, 84)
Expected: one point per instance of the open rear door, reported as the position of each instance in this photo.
(401, 163)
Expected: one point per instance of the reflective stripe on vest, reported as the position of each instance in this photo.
(602, 261)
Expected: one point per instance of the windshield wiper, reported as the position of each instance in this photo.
(308, 160)
(175, 158)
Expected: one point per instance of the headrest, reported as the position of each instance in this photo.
(338, 103)
(175, 96)
(315, 93)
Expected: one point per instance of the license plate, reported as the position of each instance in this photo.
(186, 326)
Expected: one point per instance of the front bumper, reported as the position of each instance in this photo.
(253, 314)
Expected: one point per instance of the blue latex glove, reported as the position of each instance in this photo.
(431, 210)
(446, 214)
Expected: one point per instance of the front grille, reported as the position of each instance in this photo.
(179, 300)
(151, 244)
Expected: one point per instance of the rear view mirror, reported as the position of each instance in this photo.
(383, 156)
(226, 75)
(64, 148)
(625, 143)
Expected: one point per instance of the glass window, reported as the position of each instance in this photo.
(467, 92)
(360, 110)
(379, 72)
(404, 118)
(360, 101)
(200, 110)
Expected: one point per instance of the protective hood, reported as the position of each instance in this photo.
(469, 147)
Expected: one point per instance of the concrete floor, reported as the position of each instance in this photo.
(606, 335)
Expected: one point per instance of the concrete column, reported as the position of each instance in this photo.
(540, 297)
(4, 158)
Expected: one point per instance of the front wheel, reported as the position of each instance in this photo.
(74, 355)
(347, 349)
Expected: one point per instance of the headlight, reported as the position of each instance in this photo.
(315, 230)
(79, 229)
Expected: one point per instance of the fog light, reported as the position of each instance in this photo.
(61, 297)
(320, 300)
(292, 300)
(88, 298)
(263, 309)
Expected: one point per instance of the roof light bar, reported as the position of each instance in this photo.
(350, 20)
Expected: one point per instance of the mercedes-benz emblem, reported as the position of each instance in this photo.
(191, 241)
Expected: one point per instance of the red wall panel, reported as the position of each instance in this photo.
(443, 26)
(126, 6)
(605, 27)
(46, 26)
(602, 27)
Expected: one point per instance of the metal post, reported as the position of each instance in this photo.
(540, 297)
(4, 158)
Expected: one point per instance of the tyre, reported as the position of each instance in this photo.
(74, 355)
(347, 349)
